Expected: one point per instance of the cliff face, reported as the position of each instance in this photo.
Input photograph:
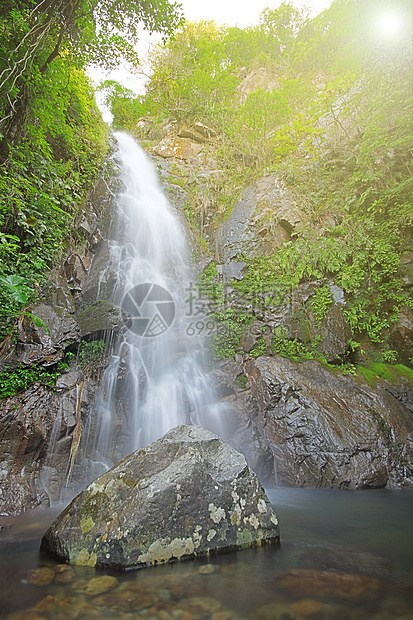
(33, 458)
(297, 422)
(345, 421)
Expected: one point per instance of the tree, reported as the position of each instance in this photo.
(34, 33)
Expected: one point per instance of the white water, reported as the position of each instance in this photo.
(152, 383)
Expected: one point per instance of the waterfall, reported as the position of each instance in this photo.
(155, 378)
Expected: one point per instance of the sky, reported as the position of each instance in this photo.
(242, 14)
(230, 12)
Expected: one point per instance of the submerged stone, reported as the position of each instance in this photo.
(41, 576)
(185, 495)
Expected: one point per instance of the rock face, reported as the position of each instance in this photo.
(328, 430)
(43, 344)
(184, 495)
(66, 316)
(33, 467)
(260, 222)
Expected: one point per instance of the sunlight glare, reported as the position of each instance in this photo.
(388, 24)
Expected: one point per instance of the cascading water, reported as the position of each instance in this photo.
(155, 379)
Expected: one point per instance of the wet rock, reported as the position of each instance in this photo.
(64, 573)
(307, 607)
(200, 605)
(401, 335)
(41, 576)
(329, 584)
(44, 343)
(100, 316)
(26, 614)
(34, 467)
(101, 278)
(325, 430)
(248, 438)
(51, 604)
(99, 585)
(274, 611)
(26, 423)
(331, 330)
(208, 569)
(406, 270)
(76, 268)
(186, 494)
(223, 615)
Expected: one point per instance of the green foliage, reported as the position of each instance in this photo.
(90, 354)
(208, 275)
(52, 138)
(319, 113)
(229, 327)
(259, 347)
(21, 379)
(35, 36)
(125, 106)
(321, 301)
(16, 288)
(43, 183)
(282, 345)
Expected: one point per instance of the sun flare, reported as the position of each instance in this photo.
(388, 24)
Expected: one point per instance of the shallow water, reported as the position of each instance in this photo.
(343, 555)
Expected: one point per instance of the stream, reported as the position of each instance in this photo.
(343, 555)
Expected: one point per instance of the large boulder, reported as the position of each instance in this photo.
(325, 429)
(184, 495)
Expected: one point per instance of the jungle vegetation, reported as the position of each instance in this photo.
(332, 116)
(53, 141)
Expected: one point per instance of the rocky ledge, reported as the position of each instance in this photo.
(185, 495)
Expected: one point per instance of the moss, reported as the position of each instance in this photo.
(404, 371)
(241, 380)
(93, 505)
(368, 375)
(373, 371)
(384, 371)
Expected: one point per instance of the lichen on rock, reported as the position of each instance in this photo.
(192, 494)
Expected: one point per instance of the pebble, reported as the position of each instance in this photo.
(329, 584)
(99, 585)
(274, 611)
(165, 595)
(49, 603)
(222, 615)
(25, 615)
(200, 605)
(41, 576)
(207, 569)
(137, 601)
(307, 607)
(64, 573)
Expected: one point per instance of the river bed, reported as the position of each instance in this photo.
(343, 555)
